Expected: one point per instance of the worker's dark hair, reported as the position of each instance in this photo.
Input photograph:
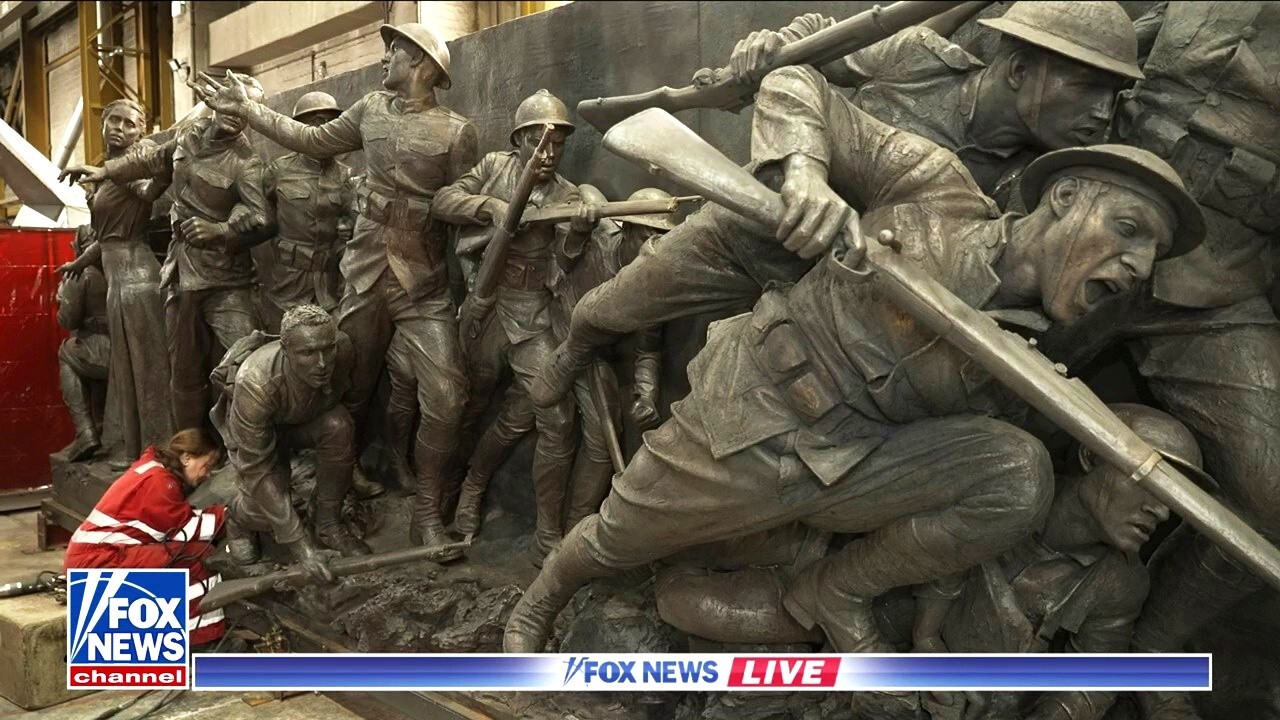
(194, 441)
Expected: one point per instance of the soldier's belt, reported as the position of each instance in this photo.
(401, 213)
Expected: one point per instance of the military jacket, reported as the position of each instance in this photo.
(309, 199)
(412, 149)
(209, 177)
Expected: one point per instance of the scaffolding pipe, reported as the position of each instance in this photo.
(70, 136)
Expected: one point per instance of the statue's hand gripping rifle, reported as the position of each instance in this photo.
(477, 306)
(657, 141)
(724, 92)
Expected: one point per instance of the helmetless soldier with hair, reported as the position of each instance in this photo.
(1052, 85)
(83, 357)
(515, 330)
(279, 396)
(209, 271)
(394, 266)
(861, 419)
(310, 203)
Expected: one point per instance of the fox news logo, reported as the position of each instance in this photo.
(127, 629)
(586, 671)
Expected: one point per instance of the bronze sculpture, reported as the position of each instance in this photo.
(310, 202)
(137, 413)
(84, 357)
(277, 396)
(394, 265)
(708, 267)
(208, 272)
(843, 417)
(512, 327)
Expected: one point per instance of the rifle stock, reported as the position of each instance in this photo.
(229, 591)
(725, 93)
(495, 255)
(655, 140)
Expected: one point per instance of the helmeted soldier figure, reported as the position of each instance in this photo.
(280, 395)
(1052, 85)
(83, 357)
(1202, 331)
(514, 328)
(614, 244)
(858, 418)
(208, 271)
(310, 199)
(1080, 574)
(394, 266)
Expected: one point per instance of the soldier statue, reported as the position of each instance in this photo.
(514, 329)
(310, 202)
(83, 358)
(861, 420)
(209, 270)
(394, 267)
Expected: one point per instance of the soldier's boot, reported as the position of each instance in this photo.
(433, 454)
(76, 398)
(552, 463)
(567, 361)
(588, 488)
(189, 407)
(845, 618)
(566, 570)
(363, 486)
(242, 544)
(1194, 584)
(333, 480)
(489, 454)
(399, 421)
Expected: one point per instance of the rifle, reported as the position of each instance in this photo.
(229, 591)
(725, 93)
(495, 256)
(656, 140)
(567, 211)
(605, 408)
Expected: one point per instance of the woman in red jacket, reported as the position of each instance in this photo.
(145, 521)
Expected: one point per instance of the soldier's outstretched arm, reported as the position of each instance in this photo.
(340, 135)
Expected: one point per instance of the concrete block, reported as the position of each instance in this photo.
(33, 652)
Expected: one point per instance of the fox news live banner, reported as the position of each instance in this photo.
(130, 629)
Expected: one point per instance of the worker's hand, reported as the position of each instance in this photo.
(753, 56)
(83, 174)
(586, 219)
(815, 214)
(229, 96)
(644, 412)
(203, 234)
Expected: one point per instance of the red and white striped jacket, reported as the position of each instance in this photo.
(146, 505)
(144, 521)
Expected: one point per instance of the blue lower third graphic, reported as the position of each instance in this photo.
(552, 672)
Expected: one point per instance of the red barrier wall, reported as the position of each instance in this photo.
(33, 421)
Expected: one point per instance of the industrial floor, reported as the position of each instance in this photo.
(19, 556)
